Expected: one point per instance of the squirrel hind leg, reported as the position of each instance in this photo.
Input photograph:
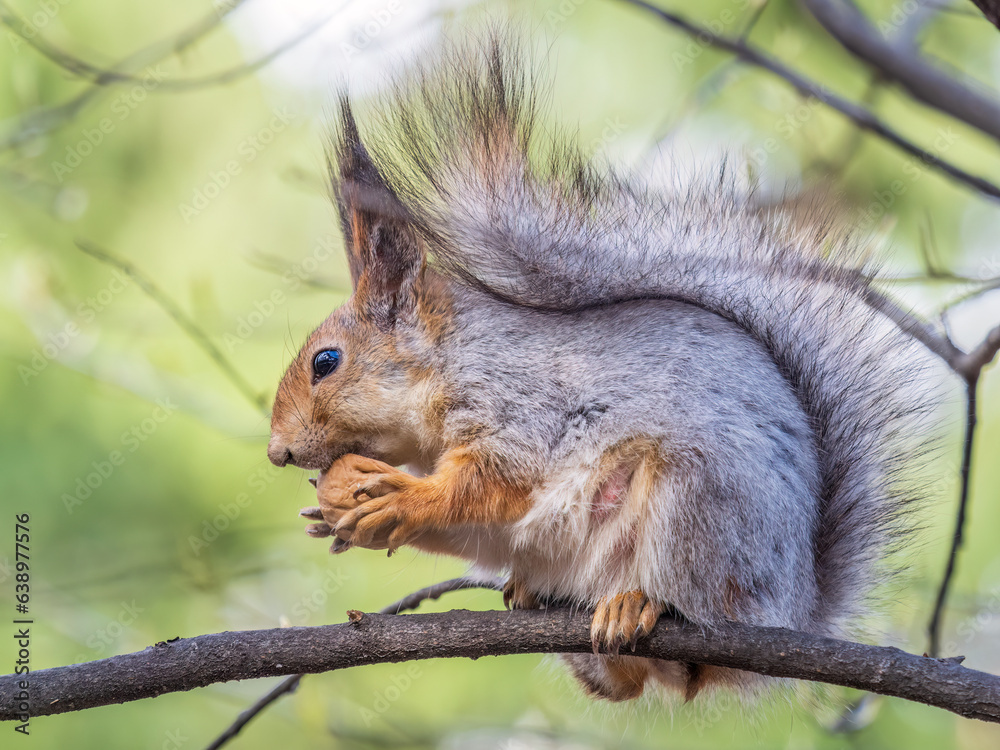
(612, 678)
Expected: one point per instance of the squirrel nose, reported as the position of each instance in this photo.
(279, 454)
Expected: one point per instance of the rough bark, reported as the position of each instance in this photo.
(369, 639)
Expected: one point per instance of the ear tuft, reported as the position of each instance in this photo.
(383, 252)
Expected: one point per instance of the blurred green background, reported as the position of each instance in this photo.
(154, 511)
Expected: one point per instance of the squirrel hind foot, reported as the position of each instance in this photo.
(623, 678)
(612, 678)
(517, 596)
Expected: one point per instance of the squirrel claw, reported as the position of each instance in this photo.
(313, 481)
(599, 624)
(635, 637)
(319, 530)
(312, 512)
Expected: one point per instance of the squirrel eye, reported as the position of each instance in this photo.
(325, 362)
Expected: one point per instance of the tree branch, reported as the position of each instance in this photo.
(969, 367)
(861, 117)
(922, 80)
(375, 639)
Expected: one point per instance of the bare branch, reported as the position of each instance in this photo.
(914, 327)
(374, 639)
(47, 119)
(922, 80)
(969, 367)
(104, 77)
(982, 286)
(934, 627)
(972, 364)
(286, 687)
(435, 591)
(861, 117)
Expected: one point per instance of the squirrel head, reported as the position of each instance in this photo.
(362, 382)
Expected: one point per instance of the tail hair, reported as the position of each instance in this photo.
(520, 212)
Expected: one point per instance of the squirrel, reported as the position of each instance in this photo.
(635, 398)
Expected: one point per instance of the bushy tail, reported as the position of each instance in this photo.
(529, 218)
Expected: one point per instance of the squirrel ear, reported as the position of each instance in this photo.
(383, 252)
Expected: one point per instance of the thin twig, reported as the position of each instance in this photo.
(913, 327)
(289, 684)
(183, 320)
(105, 77)
(47, 119)
(859, 115)
(280, 266)
(286, 687)
(972, 364)
(934, 628)
(435, 591)
(983, 286)
(755, 16)
(969, 367)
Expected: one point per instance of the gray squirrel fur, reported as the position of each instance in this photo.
(728, 350)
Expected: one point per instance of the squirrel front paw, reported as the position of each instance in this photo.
(365, 503)
(623, 618)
